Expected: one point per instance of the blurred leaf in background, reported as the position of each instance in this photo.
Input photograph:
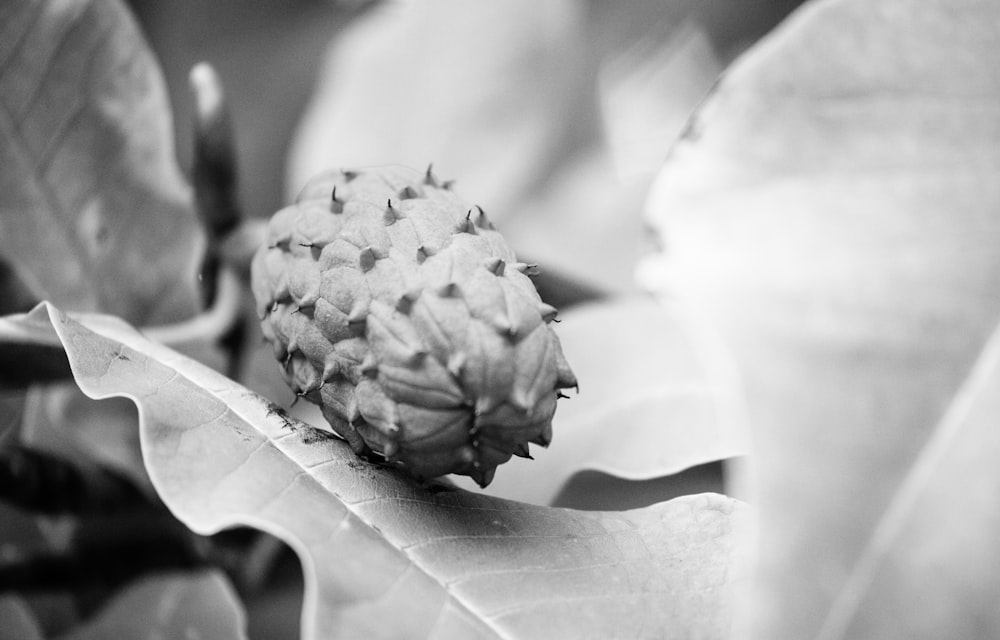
(833, 210)
(95, 210)
(553, 116)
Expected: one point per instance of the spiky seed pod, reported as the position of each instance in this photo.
(404, 314)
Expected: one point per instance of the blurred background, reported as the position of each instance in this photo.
(553, 114)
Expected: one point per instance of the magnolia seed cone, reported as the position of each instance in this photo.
(403, 313)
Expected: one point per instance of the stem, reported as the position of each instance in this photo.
(213, 324)
(213, 173)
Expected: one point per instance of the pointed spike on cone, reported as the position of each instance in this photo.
(495, 266)
(331, 367)
(366, 259)
(456, 362)
(422, 254)
(522, 451)
(565, 378)
(487, 403)
(308, 300)
(369, 366)
(503, 326)
(281, 292)
(530, 270)
(305, 391)
(548, 312)
(449, 290)
(408, 193)
(392, 214)
(544, 439)
(405, 303)
(336, 206)
(429, 178)
(466, 225)
(358, 316)
(484, 477)
(482, 220)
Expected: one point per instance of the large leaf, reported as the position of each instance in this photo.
(386, 557)
(655, 402)
(471, 86)
(834, 208)
(92, 204)
(93, 208)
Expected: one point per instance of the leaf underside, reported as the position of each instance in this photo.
(94, 207)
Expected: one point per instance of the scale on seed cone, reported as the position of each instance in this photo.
(403, 313)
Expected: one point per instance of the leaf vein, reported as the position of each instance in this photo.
(53, 55)
(539, 570)
(23, 37)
